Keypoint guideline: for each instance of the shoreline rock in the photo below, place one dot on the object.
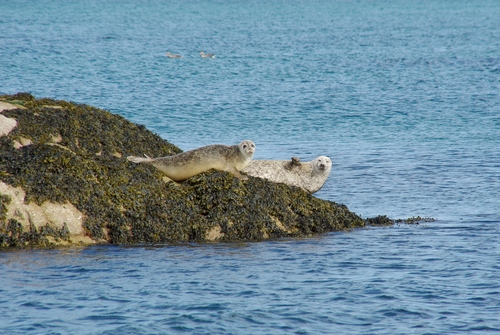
(64, 180)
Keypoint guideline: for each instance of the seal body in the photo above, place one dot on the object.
(204, 55)
(190, 163)
(310, 176)
(170, 55)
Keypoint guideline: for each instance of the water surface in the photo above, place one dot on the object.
(403, 96)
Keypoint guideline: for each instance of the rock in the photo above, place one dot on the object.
(7, 124)
(64, 180)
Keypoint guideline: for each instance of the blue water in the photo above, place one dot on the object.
(403, 96)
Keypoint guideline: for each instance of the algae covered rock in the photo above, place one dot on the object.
(64, 179)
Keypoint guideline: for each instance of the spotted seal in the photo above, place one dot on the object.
(190, 163)
(310, 176)
(170, 55)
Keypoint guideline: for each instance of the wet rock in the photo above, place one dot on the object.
(64, 180)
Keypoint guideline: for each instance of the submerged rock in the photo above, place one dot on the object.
(64, 179)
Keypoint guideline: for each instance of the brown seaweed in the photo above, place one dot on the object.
(76, 153)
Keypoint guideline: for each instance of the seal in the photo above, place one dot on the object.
(204, 55)
(310, 176)
(190, 163)
(169, 55)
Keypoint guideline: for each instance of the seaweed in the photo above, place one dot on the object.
(381, 220)
(76, 153)
(414, 220)
(13, 234)
(4, 201)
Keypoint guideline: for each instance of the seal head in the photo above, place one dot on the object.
(322, 165)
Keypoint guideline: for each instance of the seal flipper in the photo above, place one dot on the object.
(231, 169)
(136, 159)
(293, 163)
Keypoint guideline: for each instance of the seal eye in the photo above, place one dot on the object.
(244, 146)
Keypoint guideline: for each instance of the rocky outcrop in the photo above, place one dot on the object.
(64, 179)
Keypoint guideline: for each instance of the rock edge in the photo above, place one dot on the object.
(64, 180)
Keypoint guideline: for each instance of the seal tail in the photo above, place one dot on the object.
(136, 159)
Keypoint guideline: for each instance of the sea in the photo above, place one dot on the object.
(403, 96)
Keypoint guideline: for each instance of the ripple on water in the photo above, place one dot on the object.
(403, 96)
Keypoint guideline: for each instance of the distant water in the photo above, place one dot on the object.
(404, 96)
